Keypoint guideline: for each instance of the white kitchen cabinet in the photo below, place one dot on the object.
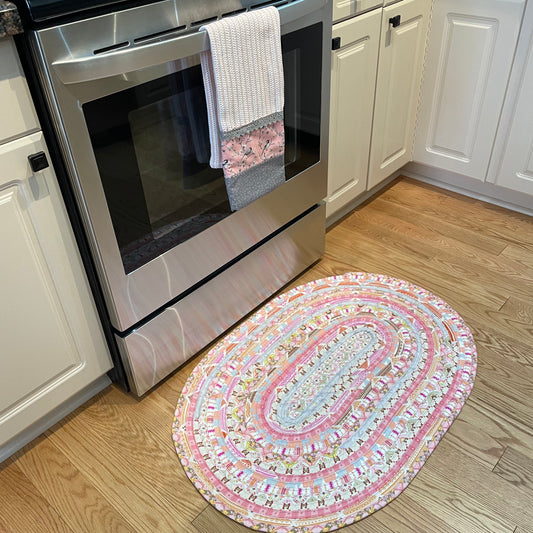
(353, 79)
(512, 162)
(17, 114)
(343, 9)
(470, 52)
(52, 343)
(52, 347)
(401, 56)
(516, 171)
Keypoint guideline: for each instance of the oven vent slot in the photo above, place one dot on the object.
(158, 34)
(191, 25)
(111, 47)
(235, 12)
(203, 21)
(276, 3)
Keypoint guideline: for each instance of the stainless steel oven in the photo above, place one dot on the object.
(177, 266)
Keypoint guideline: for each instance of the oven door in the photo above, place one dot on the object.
(132, 124)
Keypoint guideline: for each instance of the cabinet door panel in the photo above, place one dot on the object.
(470, 52)
(516, 171)
(400, 69)
(352, 99)
(37, 346)
(52, 342)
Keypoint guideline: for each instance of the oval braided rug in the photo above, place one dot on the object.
(323, 406)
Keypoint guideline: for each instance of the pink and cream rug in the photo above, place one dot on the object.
(322, 407)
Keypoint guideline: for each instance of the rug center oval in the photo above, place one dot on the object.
(322, 406)
(324, 378)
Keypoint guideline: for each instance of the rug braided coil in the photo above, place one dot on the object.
(322, 407)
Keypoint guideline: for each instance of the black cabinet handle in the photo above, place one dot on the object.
(395, 21)
(335, 43)
(38, 161)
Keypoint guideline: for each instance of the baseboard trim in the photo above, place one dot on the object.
(486, 192)
(47, 421)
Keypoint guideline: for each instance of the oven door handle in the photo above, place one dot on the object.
(95, 67)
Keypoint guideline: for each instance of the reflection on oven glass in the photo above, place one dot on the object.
(183, 195)
(302, 98)
(152, 149)
(151, 144)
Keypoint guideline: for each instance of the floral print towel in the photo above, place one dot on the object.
(243, 79)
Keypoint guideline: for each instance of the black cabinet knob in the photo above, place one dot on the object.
(38, 161)
(335, 43)
(395, 21)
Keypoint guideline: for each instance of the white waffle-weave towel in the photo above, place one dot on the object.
(243, 76)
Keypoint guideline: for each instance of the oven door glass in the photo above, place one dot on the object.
(151, 145)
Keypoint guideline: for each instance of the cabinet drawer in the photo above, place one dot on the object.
(343, 9)
(17, 113)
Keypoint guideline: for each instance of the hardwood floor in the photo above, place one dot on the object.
(111, 466)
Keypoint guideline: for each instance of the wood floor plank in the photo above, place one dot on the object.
(520, 310)
(518, 410)
(440, 225)
(475, 442)
(450, 256)
(137, 469)
(513, 375)
(504, 323)
(115, 454)
(406, 515)
(465, 212)
(461, 511)
(435, 243)
(22, 507)
(78, 501)
(507, 347)
(520, 253)
(493, 275)
(517, 469)
(4, 528)
(505, 384)
(387, 231)
(210, 520)
(506, 431)
(505, 502)
(508, 411)
(363, 251)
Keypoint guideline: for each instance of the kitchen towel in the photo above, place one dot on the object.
(244, 87)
